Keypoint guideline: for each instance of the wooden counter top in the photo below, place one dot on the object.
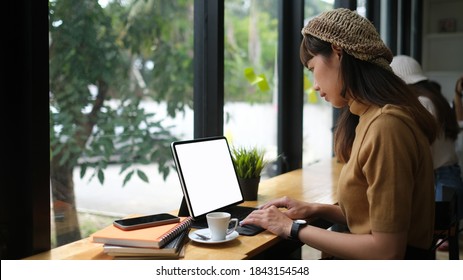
(314, 183)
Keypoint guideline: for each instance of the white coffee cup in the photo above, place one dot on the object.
(219, 223)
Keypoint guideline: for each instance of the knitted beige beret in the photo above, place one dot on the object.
(353, 33)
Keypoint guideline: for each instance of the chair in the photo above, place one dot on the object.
(446, 223)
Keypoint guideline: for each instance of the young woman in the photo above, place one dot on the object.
(385, 189)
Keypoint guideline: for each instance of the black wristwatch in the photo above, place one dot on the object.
(295, 228)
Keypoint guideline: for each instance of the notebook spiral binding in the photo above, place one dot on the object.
(168, 236)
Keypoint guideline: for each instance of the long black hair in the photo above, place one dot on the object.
(445, 116)
(367, 83)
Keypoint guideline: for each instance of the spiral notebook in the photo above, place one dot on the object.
(171, 250)
(152, 237)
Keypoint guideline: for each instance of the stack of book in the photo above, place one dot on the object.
(159, 242)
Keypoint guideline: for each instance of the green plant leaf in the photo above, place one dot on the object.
(101, 176)
(249, 162)
(142, 176)
(127, 177)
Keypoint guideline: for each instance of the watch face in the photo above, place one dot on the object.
(302, 222)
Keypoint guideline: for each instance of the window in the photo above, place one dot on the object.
(121, 90)
(318, 114)
(251, 39)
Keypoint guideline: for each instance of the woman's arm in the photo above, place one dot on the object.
(329, 212)
(376, 245)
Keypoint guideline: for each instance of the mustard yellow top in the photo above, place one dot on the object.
(388, 183)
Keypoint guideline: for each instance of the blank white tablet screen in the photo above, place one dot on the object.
(208, 175)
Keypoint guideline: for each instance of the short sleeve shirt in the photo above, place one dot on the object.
(388, 183)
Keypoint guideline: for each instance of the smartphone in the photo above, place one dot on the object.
(146, 221)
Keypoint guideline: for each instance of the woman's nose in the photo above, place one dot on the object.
(315, 86)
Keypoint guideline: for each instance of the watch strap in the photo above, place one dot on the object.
(295, 228)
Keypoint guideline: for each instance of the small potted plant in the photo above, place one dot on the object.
(249, 163)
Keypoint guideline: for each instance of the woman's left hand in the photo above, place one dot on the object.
(272, 219)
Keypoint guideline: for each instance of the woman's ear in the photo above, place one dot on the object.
(337, 50)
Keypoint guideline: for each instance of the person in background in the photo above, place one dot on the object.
(457, 102)
(447, 170)
(458, 108)
(385, 189)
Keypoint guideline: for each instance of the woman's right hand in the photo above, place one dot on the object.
(295, 209)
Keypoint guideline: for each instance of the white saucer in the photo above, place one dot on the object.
(206, 232)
